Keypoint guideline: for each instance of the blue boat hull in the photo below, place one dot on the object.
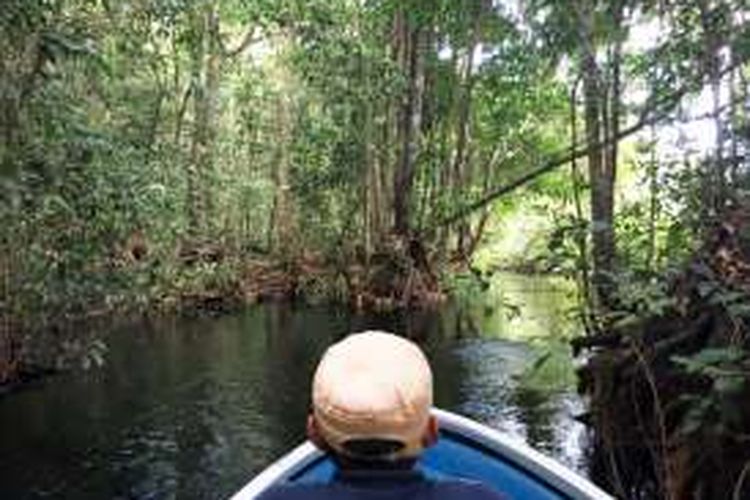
(467, 450)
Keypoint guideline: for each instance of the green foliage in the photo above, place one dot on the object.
(550, 372)
(135, 136)
(715, 410)
(640, 298)
(465, 287)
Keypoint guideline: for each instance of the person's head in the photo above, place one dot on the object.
(371, 399)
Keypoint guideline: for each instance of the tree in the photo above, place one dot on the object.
(409, 52)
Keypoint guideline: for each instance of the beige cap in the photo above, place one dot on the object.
(373, 385)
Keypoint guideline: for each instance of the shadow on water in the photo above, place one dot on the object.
(193, 408)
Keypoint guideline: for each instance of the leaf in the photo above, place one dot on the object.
(729, 385)
(739, 310)
(695, 418)
(540, 361)
(627, 321)
(690, 425)
(687, 363)
(706, 288)
(727, 297)
(713, 356)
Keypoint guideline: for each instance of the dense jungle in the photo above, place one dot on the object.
(164, 158)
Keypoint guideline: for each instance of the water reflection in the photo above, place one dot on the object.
(193, 408)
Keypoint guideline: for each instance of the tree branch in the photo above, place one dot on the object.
(653, 114)
(249, 39)
(181, 113)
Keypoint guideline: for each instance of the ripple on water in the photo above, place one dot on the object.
(193, 409)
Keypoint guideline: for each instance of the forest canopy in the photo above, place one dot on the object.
(193, 155)
(174, 152)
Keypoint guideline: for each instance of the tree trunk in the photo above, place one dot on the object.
(193, 173)
(736, 87)
(371, 189)
(580, 234)
(213, 82)
(714, 60)
(719, 162)
(615, 94)
(206, 78)
(376, 219)
(653, 174)
(445, 182)
(282, 228)
(410, 126)
(426, 179)
(461, 163)
(600, 176)
(475, 236)
(600, 162)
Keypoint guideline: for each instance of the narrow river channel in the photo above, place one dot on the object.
(193, 408)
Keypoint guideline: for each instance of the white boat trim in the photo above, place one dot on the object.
(288, 465)
(555, 474)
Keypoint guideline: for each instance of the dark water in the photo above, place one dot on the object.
(194, 408)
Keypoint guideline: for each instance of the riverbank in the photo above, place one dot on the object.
(669, 392)
(207, 280)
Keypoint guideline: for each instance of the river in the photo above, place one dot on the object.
(193, 408)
